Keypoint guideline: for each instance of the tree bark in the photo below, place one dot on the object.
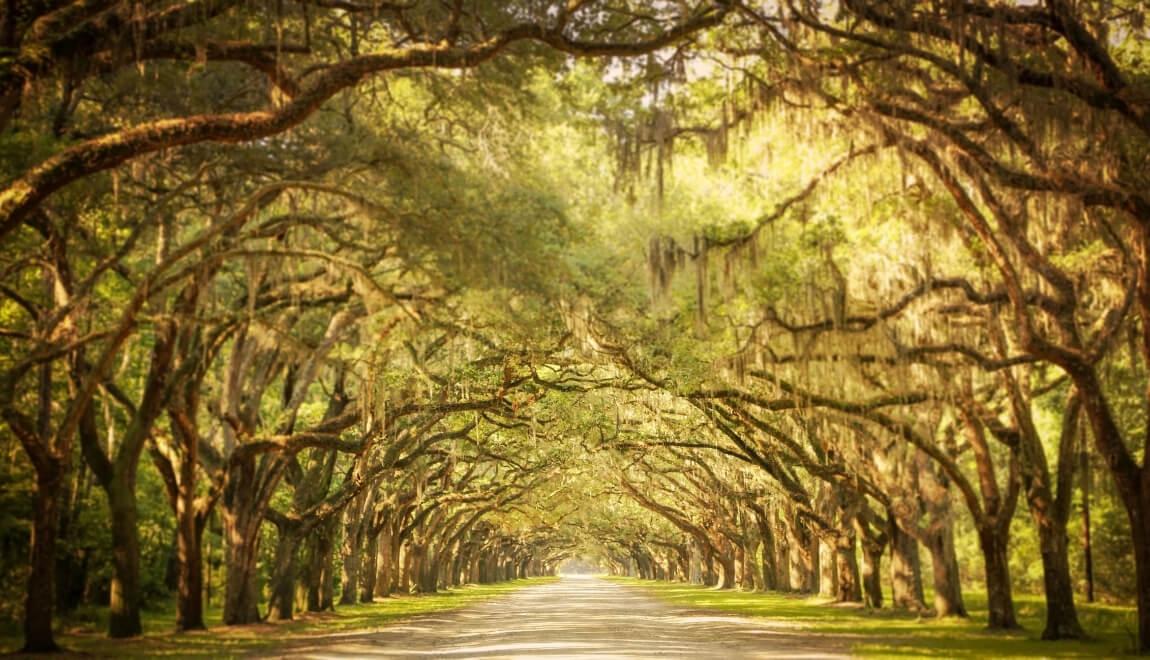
(427, 577)
(190, 580)
(124, 613)
(325, 556)
(905, 569)
(1061, 615)
(871, 575)
(726, 570)
(385, 577)
(315, 575)
(1140, 530)
(368, 570)
(283, 582)
(241, 530)
(38, 600)
(999, 600)
(747, 573)
(803, 560)
(695, 561)
(827, 573)
(847, 587)
(1087, 549)
(767, 551)
(349, 572)
(944, 569)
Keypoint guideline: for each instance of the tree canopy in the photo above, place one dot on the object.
(308, 303)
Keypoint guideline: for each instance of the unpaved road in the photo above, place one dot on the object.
(577, 618)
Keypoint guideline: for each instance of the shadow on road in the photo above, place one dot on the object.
(578, 617)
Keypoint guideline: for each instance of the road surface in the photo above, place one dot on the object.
(577, 617)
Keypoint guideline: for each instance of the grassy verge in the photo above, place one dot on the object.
(83, 632)
(890, 634)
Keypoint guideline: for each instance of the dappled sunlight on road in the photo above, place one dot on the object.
(577, 617)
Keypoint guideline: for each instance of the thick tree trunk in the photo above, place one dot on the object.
(190, 578)
(385, 573)
(428, 576)
(1140, 531)
(827, 573)
(241, 555)
(484, 568)
(747, 571)
(124, 613)
(767, 562)
(945, 571)
(71, 568)
(1087, 549)
(191, 514)
(695, 562)
(448, 569)
(350, 551)
(905, 570)
(803, 560)
(368, 569)
(726, 570)
(403, 575)
(782, 562)
(1061, 615)
(848, 589)
(314, 574)
(327, 567)
(999, 600)
(415, 561)
(38, 601)
(283, 582)
(871, 575)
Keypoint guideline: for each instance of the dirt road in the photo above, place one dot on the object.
(577, 618)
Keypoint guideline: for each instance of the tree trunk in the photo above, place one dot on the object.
(368, 570)
(767, 566)
(1087, 550)
(871, 575)
(71, 568)
(727, 570)
(38, 602)
(428, 575)
(241, 555)
(1140, 531)
(415, 560)
(710, 578)
(327, 567)
(847, 587)
(1061, 615)
(476, 571)
(385, 576)
(999, 600)
(283, 583)
(746, 556)
(827, 575)
(944, 569)
(314, 574)
(905, 570)
(695, 561)
(349, 573)
(803, 560)
(350, 558)
(190, 579)
(124, 613)
(449, 569)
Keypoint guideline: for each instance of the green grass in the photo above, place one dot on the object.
(84, 630)
(890, 634)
